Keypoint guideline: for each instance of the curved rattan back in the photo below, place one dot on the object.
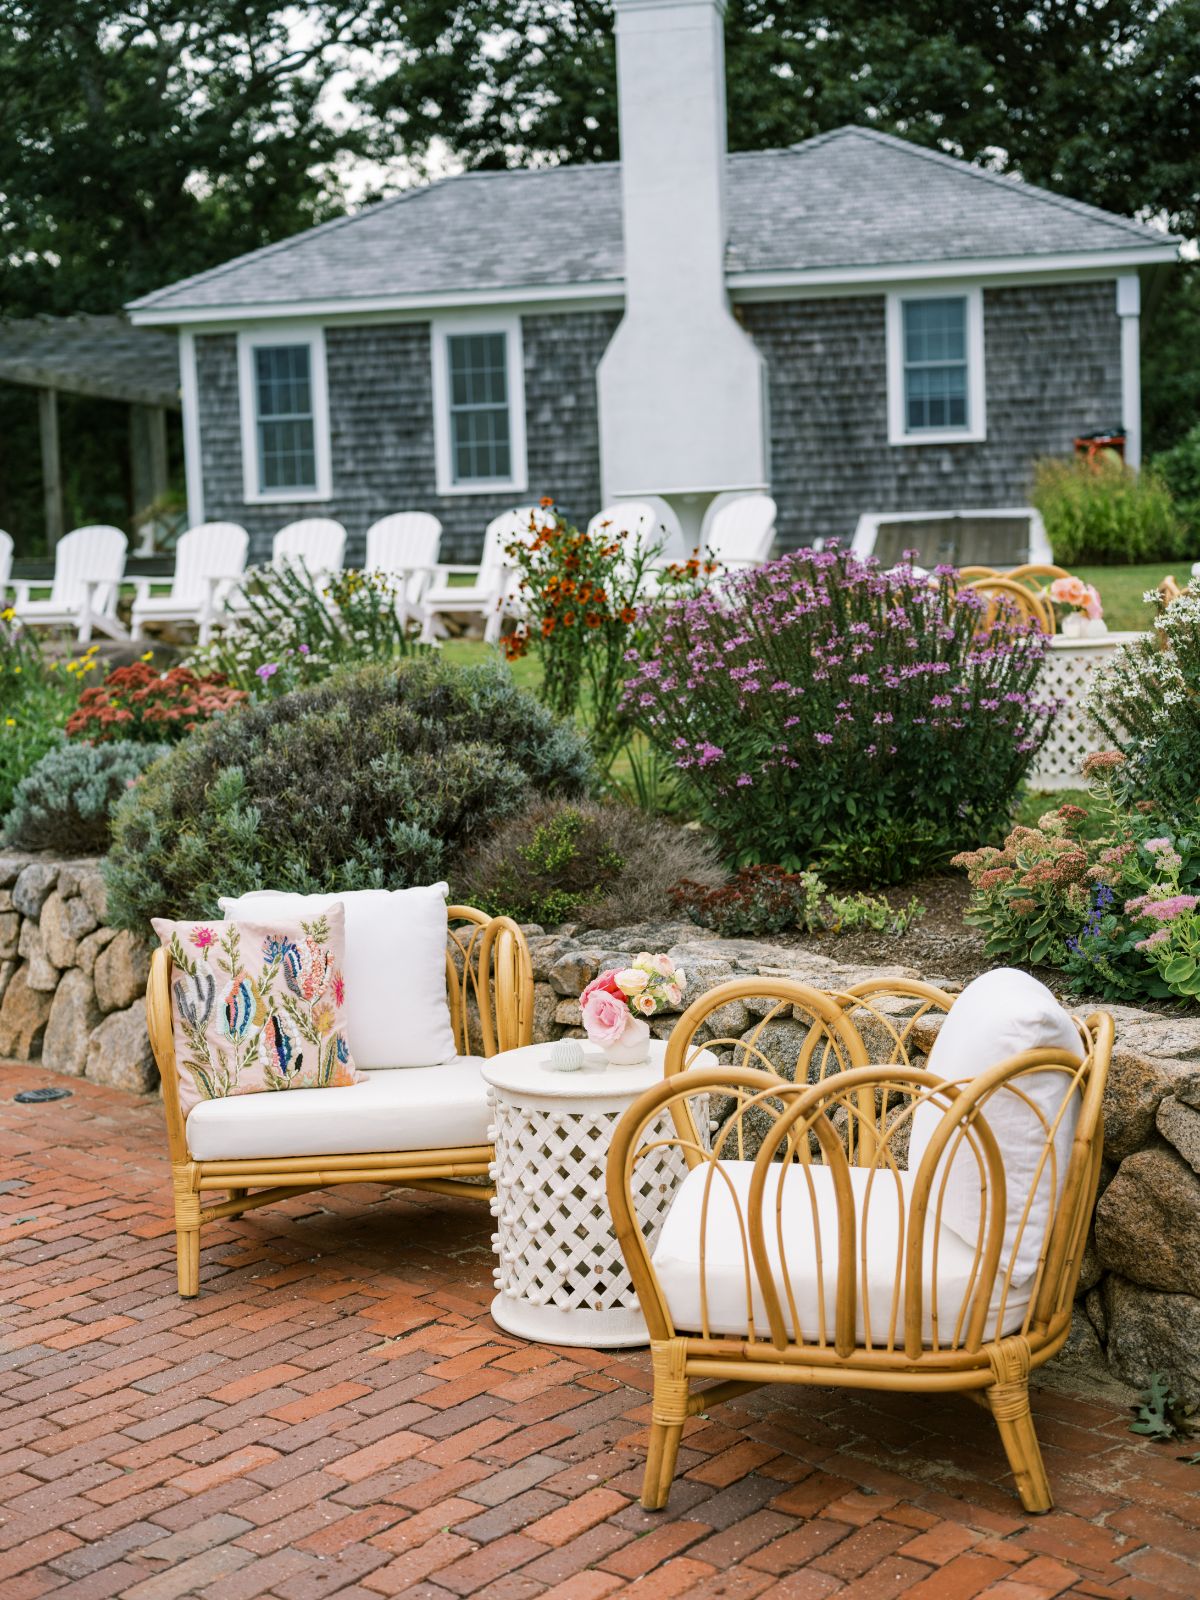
(813, 1237)
(1000, 594)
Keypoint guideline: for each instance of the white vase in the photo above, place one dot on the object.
(1074, 625)
(1094, 627)
(632, 1049)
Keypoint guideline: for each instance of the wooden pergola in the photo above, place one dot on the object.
(106, 358)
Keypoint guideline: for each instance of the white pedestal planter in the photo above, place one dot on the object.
(561, 1278)
(1070, 663)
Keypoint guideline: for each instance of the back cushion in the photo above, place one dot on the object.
(398, 1013)
(997, 1016)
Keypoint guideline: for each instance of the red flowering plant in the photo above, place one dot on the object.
(141, 703)
(1031, 894)
(583, 597)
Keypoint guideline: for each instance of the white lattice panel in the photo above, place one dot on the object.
(1068, 669)
(559, 1261)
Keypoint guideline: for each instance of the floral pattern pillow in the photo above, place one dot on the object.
(258, 1006)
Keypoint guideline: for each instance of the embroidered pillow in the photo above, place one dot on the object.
(258, 1006)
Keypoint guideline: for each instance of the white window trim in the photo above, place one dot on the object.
(510, 326)
(250, 339)
(976, 428)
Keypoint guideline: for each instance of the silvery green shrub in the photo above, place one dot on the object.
(67, 801)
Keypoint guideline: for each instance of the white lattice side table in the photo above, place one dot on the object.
(1067, 669)
(560, 1277)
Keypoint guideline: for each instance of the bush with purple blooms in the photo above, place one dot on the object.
(823, 712)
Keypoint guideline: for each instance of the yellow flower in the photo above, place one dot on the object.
(7, 614)
(149, 656)
(10, 722)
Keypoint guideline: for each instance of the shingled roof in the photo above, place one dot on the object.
(853, 199)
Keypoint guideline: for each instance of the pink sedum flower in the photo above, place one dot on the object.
(604, 1017)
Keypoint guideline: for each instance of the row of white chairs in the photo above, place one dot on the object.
(210, 561)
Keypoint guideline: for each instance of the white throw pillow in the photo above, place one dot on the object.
(997, 1016)
(397, 1010)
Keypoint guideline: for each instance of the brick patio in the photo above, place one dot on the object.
(337, 1415)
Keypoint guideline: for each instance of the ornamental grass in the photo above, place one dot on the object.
(824, 712)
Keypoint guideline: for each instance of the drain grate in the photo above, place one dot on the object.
(31, 1097)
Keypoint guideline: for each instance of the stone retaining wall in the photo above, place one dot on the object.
(1140, 1286)
(72, 990)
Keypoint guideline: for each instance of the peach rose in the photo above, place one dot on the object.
(604, 1017)
(631, 981)
(1068, 591)
(646, 1004)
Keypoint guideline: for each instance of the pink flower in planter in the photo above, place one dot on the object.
(604, 1016)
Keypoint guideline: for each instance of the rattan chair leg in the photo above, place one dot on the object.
(1008, 1400)
(187, 1239)
(669, 1413)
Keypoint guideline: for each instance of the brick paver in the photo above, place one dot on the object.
(338, 1416)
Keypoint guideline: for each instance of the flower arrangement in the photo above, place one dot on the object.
(616, 1004)
(139, 702)
(1077, 605)
(824, 712)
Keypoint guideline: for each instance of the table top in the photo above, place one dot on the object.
(523, 1072)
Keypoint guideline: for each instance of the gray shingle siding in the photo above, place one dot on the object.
(1053, 372)
(381, 430)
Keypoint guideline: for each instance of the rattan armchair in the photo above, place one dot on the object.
(800, 1247)
(490, 989)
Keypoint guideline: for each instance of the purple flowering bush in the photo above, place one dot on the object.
(824, 712)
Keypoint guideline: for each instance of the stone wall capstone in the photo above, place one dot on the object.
(72, 990)
(1139, 1290)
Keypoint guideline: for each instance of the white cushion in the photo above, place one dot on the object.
(397, 1011)
(879, 1258)
(409, 1108)
(997, 1016)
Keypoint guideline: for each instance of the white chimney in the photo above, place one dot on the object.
(681, 385)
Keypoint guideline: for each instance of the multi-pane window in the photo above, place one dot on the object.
(284, 417)
(477, 384)
(935, 364)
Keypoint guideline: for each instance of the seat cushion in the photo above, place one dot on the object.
(397, 1014)
(997, 1016)
(881, 1218)
(407, 1108)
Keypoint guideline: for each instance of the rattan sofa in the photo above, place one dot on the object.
(490, 990)
(805, 1246)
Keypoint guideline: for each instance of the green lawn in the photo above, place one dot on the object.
(1121, 590)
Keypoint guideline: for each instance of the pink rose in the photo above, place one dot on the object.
(604, 1016)
(1091, 606)
(606, 982)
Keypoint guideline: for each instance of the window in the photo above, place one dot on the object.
(935, 367)
(285, 424)
(479, 405)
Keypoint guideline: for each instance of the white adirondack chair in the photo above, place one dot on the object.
(209, 560)
(739, 529)
(88, 566)
(319, 543)
(405, 546)
(489, 595)
(647, 524)
(6, 550)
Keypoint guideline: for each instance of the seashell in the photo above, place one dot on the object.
(565, 1055)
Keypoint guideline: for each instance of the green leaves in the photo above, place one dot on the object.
(1161, 1415)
